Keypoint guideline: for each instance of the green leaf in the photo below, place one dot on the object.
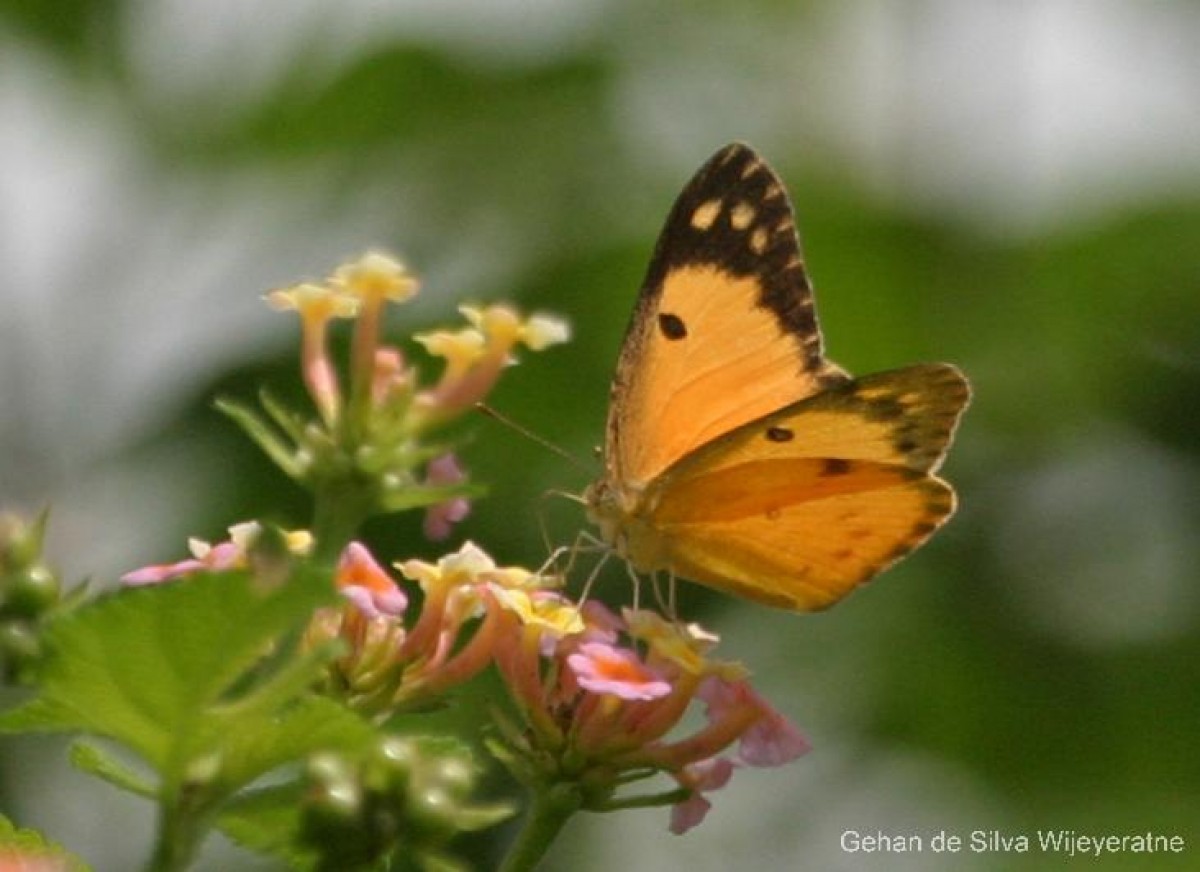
(416, 495)
(268, 741)
(293, 425)
(263, 436)
(29, 845)
(177, 673)
(268, 820)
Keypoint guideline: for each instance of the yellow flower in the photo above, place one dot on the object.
(542, 331)
(460, 348)
(684, 645)
(503, 326)
(316, 303)
(476, 355)
(557, 616)
(467, 565)
(375, 276)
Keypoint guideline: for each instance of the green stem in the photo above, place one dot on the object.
(648, 800)
(180, 832)
(340, 508)
(551, 809)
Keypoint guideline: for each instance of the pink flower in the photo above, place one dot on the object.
(600, 623)
(401, 652)
(365, 583)
(711, 774)
(441, 518)
(602, 668)
(771, 740)
(689, 813)
(160, 572)
(206, 557)
(391, 380)
(602, 712)
(317, 305)
(225, 555)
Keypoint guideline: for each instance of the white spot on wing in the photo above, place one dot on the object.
(705, 214)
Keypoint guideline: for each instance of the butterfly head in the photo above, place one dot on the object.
(622, 517)
(606, 509)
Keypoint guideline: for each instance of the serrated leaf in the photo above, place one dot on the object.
(309, 725)
(151, 667)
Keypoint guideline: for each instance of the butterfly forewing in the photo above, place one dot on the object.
(724, 331)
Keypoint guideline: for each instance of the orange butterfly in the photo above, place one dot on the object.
(736, 455)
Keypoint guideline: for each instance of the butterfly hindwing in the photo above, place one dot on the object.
(724, 330)
(904, 417)
(801, 506)
(811, 533)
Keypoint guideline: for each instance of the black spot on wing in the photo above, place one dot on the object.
(752, 233)
(671, 326)
(780, 434)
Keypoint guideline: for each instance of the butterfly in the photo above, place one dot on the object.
(736, 455)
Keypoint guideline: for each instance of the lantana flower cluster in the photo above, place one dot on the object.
(599, 703)
(373, 447)
(598, 696)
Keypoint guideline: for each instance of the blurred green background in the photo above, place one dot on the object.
(1014, 187)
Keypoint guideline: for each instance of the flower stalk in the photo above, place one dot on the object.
(549, 810)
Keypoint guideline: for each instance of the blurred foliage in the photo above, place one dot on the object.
(1003, 650)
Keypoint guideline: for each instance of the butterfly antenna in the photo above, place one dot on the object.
(533, 437)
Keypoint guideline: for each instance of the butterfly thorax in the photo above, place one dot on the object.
(622, 513)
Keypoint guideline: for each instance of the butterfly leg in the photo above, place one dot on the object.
(593, 575)
(550, 564)
(635, 581)
(665, 599)
(583, 542)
